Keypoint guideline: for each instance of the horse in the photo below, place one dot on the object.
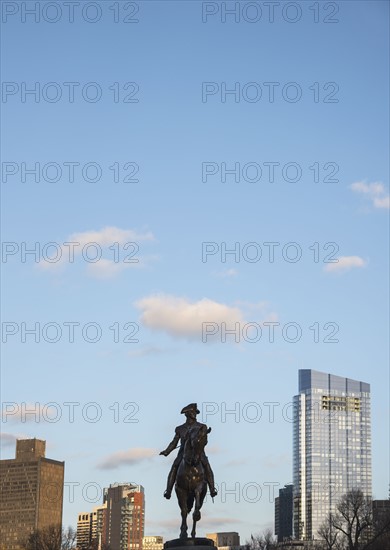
(191, 485)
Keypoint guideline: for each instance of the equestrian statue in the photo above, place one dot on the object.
(191, 471)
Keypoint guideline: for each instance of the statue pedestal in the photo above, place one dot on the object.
(198, 543)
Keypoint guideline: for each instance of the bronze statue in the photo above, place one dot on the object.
(191, 469)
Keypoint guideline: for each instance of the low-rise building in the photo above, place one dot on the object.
(152, 543)
(226, 540)
(90, 527)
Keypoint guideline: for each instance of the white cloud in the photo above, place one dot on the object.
(180, 317)
(371, 189)
(109, 235)
(375, 191)
(226, 273)
(131, 456)
(113, 248)
(105, 269)
(345, 263)
(382, 202)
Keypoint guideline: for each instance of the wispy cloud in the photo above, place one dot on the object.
(213, 450)
(206, 521)
(226, 273)
(164, 523)
(375, 192)
(129, 457)
(181, 317)
(219, 521)
(271, 462)
(259, 308)
(105, 269)
(237, 462)
(107, 252)
(9, 440)
(345, 263)
(13, 412)
(148, 350)
(109, 235)
(382, 202)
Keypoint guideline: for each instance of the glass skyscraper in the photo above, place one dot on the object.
(331, 446)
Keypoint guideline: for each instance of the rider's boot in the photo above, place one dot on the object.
(210, 479)
(170, 484)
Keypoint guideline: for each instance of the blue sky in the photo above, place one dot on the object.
(165, 140)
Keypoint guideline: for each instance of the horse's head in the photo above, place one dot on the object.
(194, 445)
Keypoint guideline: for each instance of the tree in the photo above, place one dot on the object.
(69, 539)
(329, 535)
(52, 538)
(381, 532)
(353, 518)
(264, 541)
(352, 526)
(48, 538)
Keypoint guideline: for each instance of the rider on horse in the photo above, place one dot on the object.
(181, 433)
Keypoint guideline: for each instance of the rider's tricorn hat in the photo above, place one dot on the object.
(190, 407)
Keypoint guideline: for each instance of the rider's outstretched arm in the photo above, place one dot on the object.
(172, 445)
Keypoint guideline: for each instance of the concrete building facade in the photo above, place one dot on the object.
(31, 493)
(91, 527)
(85, 528)
(229, 539)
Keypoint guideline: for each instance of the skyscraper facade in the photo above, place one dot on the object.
(284, 513)
(125, 518)
(331, 446)
(31, 493)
